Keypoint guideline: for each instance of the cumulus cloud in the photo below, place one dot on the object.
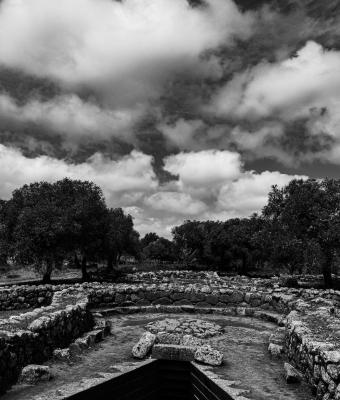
(249, 194)
(103, 41)
(181, 133)
(131, 183)
(71, 117)
(177, 203)
(204, 168)
(121, 55)
(123, 181)
(303, 87)
(289, 88)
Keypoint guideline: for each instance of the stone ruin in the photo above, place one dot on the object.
(182, 339)
(308, 320)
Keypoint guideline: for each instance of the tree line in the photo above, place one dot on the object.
(298, 230)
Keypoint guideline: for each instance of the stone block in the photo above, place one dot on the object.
(292, 375)
(144, 345)
(173, 352)
(275, 350)
(32, 374)
(62, 354)
(207, 355)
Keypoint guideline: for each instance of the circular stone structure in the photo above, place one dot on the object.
(185, 326)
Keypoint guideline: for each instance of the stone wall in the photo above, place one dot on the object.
(318, 359)
(280, 300)
(22, 297)
(32, 337)
(63, 315)
(313, 317)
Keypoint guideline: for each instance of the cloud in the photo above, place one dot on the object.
(121, 181)
(130, 182)
(274, 96)
(181, 133)
(249, 194)
(289, 88)
(204, 168)
(145, 222)
(72, 118)
(111, 61)
(101, 42)
(176, 203)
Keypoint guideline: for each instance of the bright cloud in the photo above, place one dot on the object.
(130, 182)
(289, 88)
(71, 117)
(249, 194)
(204, 168)
(103, 41)
(177, 203)
(131, 174)
(303, 87)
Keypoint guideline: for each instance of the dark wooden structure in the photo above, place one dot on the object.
(157, 380)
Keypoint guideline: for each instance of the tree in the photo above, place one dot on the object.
(84, 218)
(279, 247)
(5, 242)
(38, 232)
(222, 245)
(189, 241)
(161, 250)
(120, 237)
(310, 210)
(44, 222)
(240, 233)
(149, 238)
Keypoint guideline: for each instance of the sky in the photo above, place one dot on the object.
(176, 109)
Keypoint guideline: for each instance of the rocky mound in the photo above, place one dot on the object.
(185, 326)
(181, 339)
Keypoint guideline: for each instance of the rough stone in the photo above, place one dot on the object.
(144, 345)
(207, 355)
(62, 354)
(32, 374)
(191, 341)
(275, 350)
(168, 338)
(292, 375)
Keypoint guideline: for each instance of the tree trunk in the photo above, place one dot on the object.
(76, 261)
(327, 269)
(85, 275)
(3, 260)
(109, 265)
(48, 272)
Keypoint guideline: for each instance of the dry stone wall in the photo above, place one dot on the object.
(22, 297)
(312, 317)
(64, 315)
(280, 300)
(30, 338)
(317, 358)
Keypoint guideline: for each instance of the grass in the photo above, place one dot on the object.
(18, 274)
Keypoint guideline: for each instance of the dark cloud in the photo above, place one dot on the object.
(146, 93)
